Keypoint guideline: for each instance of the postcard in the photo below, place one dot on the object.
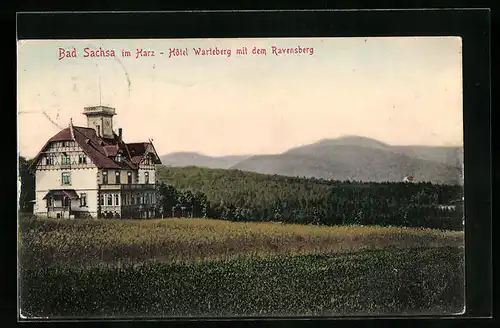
(240, 177)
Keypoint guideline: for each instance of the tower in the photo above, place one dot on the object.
(100, 118)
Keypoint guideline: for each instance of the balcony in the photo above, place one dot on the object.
(111, 208)
(136, 186)
(110, 187)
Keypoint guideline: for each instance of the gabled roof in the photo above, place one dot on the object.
(61, 193)
(101, 151)
(139, 149)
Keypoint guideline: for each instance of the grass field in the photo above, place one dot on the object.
(92, 242)
(184, 267)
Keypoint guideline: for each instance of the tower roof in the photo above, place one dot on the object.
(99, 110)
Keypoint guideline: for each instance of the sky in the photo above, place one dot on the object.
(401, 91)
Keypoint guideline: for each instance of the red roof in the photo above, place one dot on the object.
(101, 151)
(138, 150)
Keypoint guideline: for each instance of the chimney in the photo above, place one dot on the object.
(120, 133)
(98, 130)
(71, 129)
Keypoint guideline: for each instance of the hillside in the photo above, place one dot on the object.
(345, 158)
(180, 159)
(361, 159)
(248, 196)
(452, 156)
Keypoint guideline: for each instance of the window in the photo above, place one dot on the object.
(82, 159)
(66, 202)
(146, 177)
(110, 200)
(118, 158)
(117, 176)
(83, 200)
(66, 178)
(50, 159)
(117, 199)
(66, 159)
(129, 177)
(104, 177)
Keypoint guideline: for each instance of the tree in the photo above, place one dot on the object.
(248, 196)
(168, 198)
(27, 182)
(201, 204)
(188, 203)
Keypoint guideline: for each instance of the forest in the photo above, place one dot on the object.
(244, 196)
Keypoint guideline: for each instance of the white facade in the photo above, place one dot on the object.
(65, 166)
(83, 181)
(84, 178)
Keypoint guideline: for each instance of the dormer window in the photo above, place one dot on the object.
(118, 158)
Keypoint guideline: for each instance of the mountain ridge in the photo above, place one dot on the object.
(179, 159)
(344, 158)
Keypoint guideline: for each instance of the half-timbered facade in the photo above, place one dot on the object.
(91, 172)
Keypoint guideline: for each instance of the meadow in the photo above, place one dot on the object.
(93, 242)
(204, 267)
